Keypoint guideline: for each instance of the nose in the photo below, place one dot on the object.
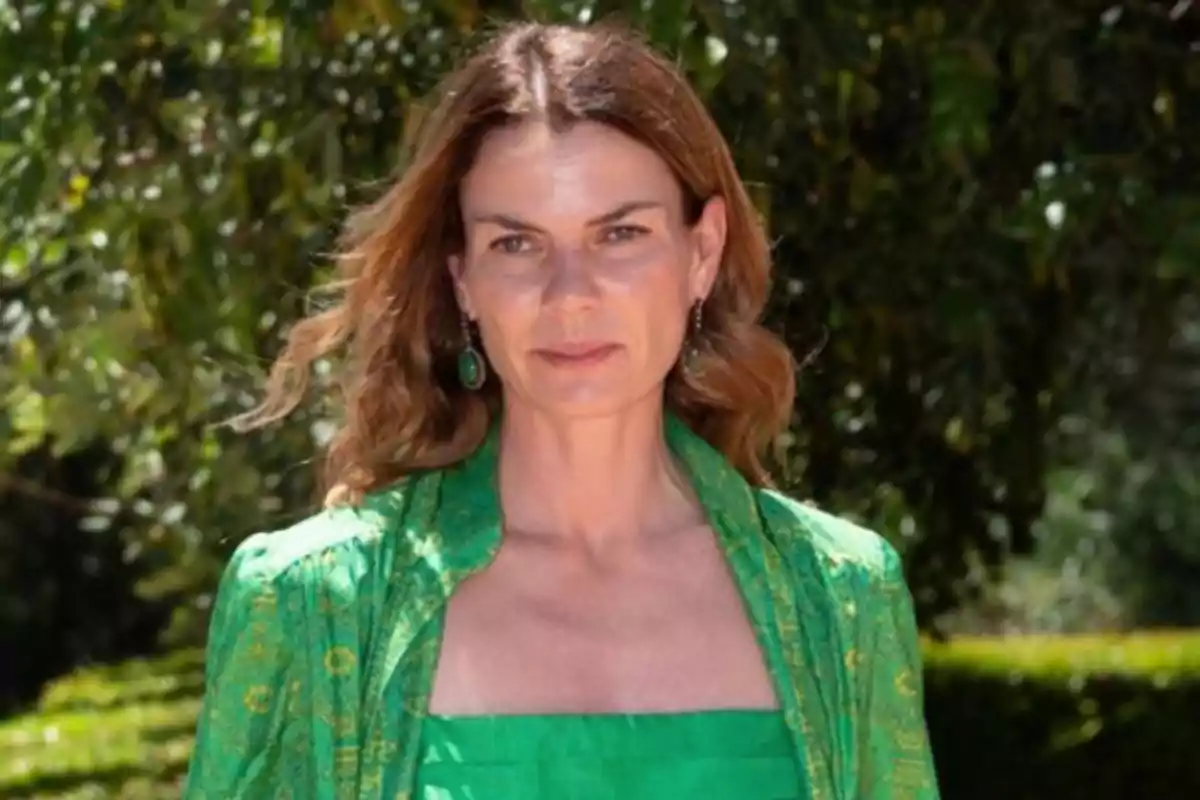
(571, 282)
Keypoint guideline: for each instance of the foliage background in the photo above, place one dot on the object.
(988, 214)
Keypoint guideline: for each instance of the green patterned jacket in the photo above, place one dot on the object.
(324, 636)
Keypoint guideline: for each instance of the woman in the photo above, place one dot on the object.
(549, 567)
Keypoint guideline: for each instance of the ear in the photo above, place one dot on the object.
(455, 266)
(708, 237)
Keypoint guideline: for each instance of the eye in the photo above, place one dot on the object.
(513, 244)
(616, 234)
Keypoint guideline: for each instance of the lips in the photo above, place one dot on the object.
(578, 353)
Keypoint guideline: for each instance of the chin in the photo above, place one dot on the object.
(589, 401)
(583, 407)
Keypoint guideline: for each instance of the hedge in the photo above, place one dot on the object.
(1067, 718)
(1036, 717)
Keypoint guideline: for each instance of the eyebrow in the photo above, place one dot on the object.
(514, 224)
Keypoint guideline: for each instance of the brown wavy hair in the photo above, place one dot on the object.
(396, 325)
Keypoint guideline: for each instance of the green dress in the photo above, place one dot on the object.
(718, 755)
(325, 635)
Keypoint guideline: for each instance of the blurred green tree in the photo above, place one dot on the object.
(985, 213)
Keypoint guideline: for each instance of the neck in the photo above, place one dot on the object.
(598, 481)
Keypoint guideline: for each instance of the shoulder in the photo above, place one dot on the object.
(835, 545)
(844, 572)
(333, 549)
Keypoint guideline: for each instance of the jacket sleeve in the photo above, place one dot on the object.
(895, 758)
(239, 734)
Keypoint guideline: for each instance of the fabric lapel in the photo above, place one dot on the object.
(448, 526)
(771, 594)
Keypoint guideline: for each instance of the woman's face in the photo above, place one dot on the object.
(579, 266)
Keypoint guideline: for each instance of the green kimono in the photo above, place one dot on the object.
(325, 635)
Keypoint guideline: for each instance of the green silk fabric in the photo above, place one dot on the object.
(717, 755)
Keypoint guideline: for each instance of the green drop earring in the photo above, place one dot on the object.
(472, 368)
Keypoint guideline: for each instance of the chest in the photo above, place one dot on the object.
(497, 645)
(538, 633)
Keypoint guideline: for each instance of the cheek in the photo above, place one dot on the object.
(505, 309)
(660, 268)
(656, 303)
